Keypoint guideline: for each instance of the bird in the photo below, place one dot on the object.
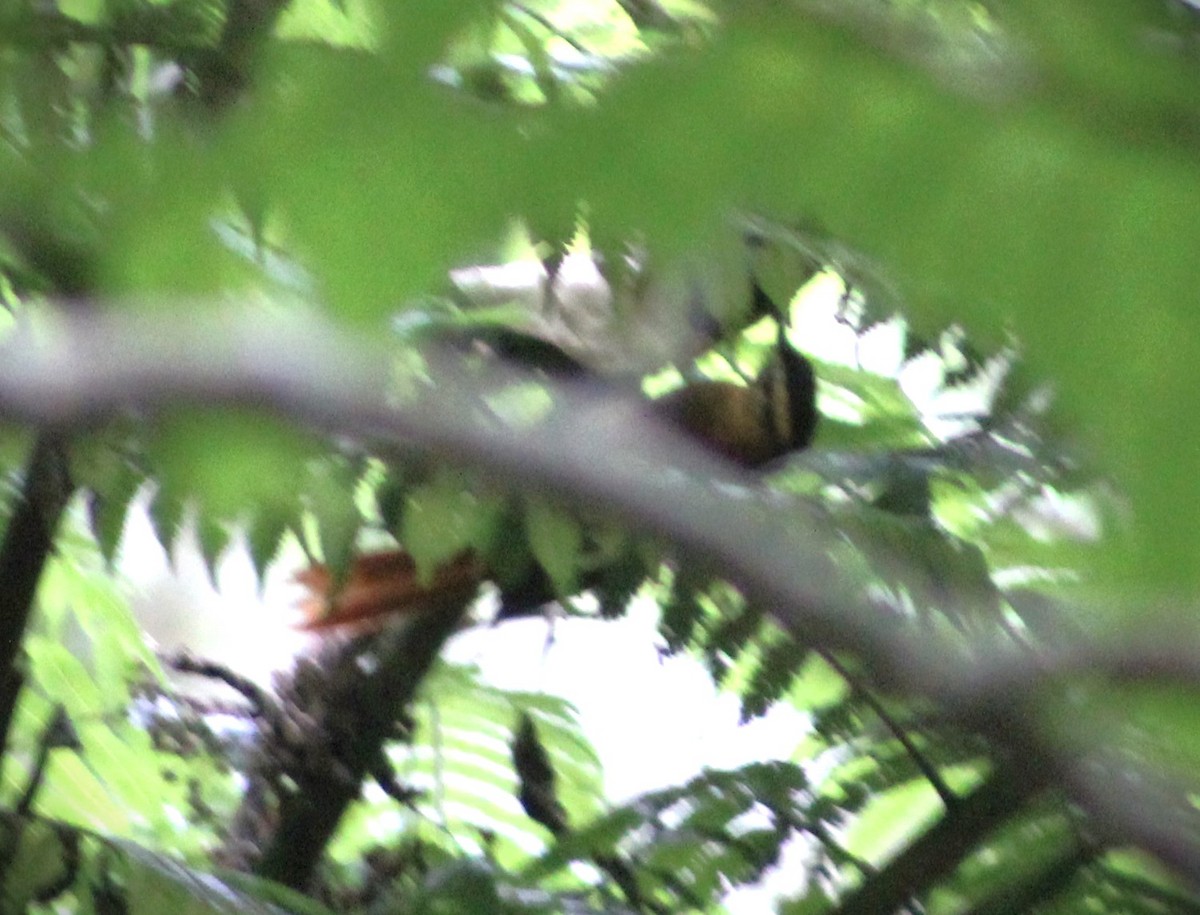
(380, 583)
(752, 424)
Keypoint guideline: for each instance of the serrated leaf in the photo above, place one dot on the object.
(619, 581)
(444, 517)
(556, 540)
(461, 756)
(229, 462)
(265, 535)
(108, 510)
(74, 794)
(329, 497)
(128, 767)
(167, 511)
(777, 668)
(685, 837)
(64, 678)
(681, 610)
(103, 465)
(212, 536)
(730, 637)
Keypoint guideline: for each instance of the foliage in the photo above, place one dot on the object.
(947, 203)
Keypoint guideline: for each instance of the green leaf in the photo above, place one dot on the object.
(818, 685)
(891, 819)
(38, 857)
(328, 494)
(125, 761)
(64, 678)
(160, 883)
(1019, 854)
(74, 794)
(556, 540)
(815, 902)
(780, 664)
(341, 23)
(104, 466)
(212, 535)
(229, 461)
(266, 532)
(446, 516)
(167, 511)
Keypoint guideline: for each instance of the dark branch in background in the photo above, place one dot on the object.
(223, 69)
(44, 30)
(1123, 798)
(225, 73)
(1043, 885)
(936, 853)
(28, 541)
(335, 718)
(775, 549)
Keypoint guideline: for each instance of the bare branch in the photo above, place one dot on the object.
(333, 723)
(28, 541)
(605, 452)
(600, 449)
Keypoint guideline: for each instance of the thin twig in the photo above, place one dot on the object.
(920, 760)
(187, 663)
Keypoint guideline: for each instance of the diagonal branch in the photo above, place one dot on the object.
(936, 853)
(328, 736)
(604, 452)
(1043, 885)
(310, 371)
